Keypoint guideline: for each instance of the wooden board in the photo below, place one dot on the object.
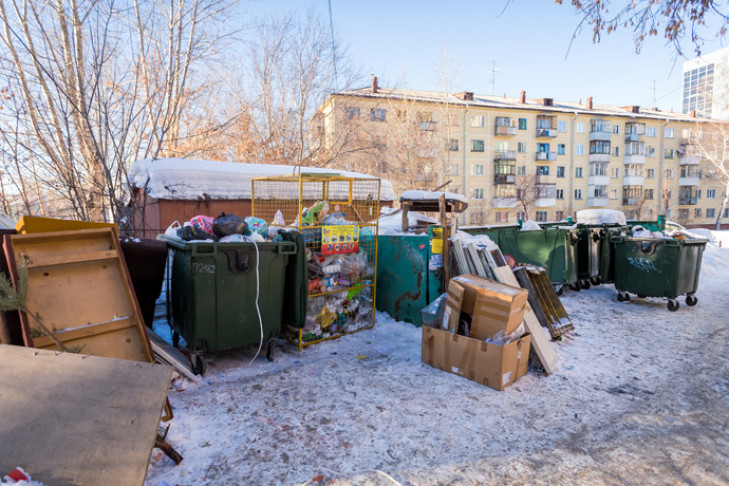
(76, 419)
(79, 284)
(540, 341)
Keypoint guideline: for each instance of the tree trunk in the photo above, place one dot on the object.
(724, 204)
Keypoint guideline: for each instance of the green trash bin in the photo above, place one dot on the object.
(606, 272)
(553, 247)
(653, 267)
(211, 294)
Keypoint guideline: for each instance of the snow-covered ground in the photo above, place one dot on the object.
(640, 396)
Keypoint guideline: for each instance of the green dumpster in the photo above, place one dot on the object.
(653, 267)
(409, 275)
(212, 294)
(589, 245)
(553, 247)
(606, 273)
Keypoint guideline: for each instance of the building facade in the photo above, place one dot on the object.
(519, 158)
(706, 85)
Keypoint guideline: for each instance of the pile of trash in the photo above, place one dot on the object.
(226, 228)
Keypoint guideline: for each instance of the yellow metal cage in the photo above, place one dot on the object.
(338, 218)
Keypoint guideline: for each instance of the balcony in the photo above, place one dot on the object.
(546, 132)
(507, 131)
(598, 202)
(686, 201)
(598, 180)
(633, 180)
(600, 136)
(690, 160)
(505, 202)
(507, 155)
(631, 201)
(550, 156)
(632, 137)
(634, 159)
(688, 180)
(504, 178)
(545, 202)
(544, 179)
(599, 158)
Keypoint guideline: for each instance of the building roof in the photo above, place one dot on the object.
(510, 103)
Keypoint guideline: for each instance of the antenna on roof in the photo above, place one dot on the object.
(493, 76)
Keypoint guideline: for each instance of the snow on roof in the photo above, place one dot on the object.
(426, 195)
(600, 216)
(189, 179)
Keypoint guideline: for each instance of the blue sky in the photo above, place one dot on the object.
(403, 43)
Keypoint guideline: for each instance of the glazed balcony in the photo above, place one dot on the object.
(504, 178)
(505, 155)
(634, 159)
(598, 202)
(505, 131)
(633, 180)
(546, 132)
(600, 135)
(549, 156)
(690, 160)
(598, 180)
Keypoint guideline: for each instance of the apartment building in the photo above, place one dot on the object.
(706, 85)
(540, 159)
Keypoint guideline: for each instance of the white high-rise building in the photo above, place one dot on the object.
(706, 85)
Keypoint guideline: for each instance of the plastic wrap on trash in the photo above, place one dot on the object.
(257, 225)
(433, 312)
(204, 223)
(501, 338)
(354, 263)
(315, 214)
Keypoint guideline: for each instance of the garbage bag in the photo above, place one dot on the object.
(257, 225)
(229, 224)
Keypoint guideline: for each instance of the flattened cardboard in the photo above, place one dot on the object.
(452, 313)
(489, 364)
(494, 306)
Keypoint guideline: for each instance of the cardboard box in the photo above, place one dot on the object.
(488, 364)
(494, 306)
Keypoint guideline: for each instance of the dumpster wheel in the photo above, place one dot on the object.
(197, 364)
(691, 300)
(595, 281)
(575, 286)
(270, 350)
(559, 289)
(672, 305)
(585, 284)
(623, 297)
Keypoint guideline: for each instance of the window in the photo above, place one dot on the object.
(477, 193)
(478, 121)
(453, 145)
(668, 154)
(616, 151)
(613, 194)
(578, 193)
(542, 216)
(599, 147)
(542, 170)
(615, 172)
(669, 132)
(650, 173)
(560, 171)
(710, 213)
(521, 147)
(726, 213)
(477, 145)
(650, 151)
(560, 193)
(668, 174)
(578, 171)
(698, 193)
(559, 215)
(561, 126)
(453, 119)
(522, 123)
(501, 216)
(560, 149)
(668, 194)
(650, 131)
(477, 169)
(616, 129)
(352, 112)
(648, 193)
(579, 149)
(378, 114)
(580, 127)
(521, 170)
(502, 146)
(710, 193)
(697, 212)
(476, 217)
(520, 215)
(453, 169)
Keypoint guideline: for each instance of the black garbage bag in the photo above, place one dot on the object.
(229, 224)
(192, 233)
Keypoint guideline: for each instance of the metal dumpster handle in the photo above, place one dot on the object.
(239, 259)
(648, 247)
(286, 248)
(203, 249)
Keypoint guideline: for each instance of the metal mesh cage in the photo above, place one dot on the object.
(337, 217)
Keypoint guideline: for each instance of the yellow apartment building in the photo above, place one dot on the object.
(520, 158)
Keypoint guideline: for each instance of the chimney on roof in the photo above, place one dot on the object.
(465, 95)
(589, 103)
(693, 113)
(374, 84)
(632, 108)
(547, 101)
(523, 97)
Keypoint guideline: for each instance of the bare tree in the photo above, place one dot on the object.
(529, 189)
(710, 142)
(676, 20)
(99, 84)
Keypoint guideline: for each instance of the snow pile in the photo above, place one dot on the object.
(391, 221)
(600, 216)
(428, 195)
(530, 226)
(466, 239)
(192, 179)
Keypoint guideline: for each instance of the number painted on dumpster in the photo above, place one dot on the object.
(203, 267)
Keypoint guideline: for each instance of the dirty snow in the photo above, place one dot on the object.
(640, 396)
(391, 221)
(190, 179)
